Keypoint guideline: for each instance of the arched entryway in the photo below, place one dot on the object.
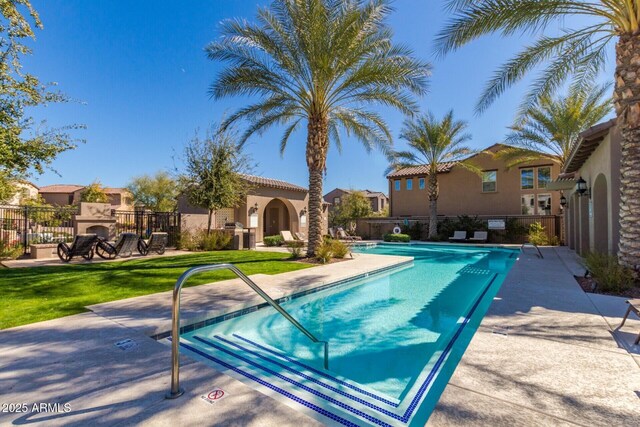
(600, 215)
(275, 218)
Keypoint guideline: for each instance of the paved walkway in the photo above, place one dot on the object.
(546, 354)
(55, 261)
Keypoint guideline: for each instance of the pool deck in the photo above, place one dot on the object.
(545, 354)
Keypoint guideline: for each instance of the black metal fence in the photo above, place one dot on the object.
(143, 223)
(27, 225)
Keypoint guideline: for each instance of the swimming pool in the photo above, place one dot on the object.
(395, 337)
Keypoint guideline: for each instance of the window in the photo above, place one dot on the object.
(421, 183)
(526, 179)
(336, 200)
(544, 176)
(409, 184)
(489, 180)
(528, 206)
(396, 183)
(544, 204)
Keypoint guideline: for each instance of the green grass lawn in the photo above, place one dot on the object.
(34, 294)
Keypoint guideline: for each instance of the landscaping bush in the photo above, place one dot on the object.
(10, 250)
(199, 240)
(404, 238)
(537, 236)
(415, 230)
(273, 240)
(609, 275)
(324, 251)
(339, 249)
(295, 248)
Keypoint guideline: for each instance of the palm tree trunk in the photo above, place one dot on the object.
(433, 205)
(627, 103)
(317, 145)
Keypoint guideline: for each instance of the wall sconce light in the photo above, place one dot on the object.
(303, 211)
(581, 188)
(563, 201)
(254, 208)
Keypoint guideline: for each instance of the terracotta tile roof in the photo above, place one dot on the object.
(421, 170)
(273, 183)
(61, 188)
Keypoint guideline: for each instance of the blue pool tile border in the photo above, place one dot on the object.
(221, 318)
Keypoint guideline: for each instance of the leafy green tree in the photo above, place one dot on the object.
(433, 142)
(26, 145)
(157, 192)
(352, 206)
(553, 125)
(214, 167)
(7, 189)
(94, 193)
(319, 65)
(578, 54)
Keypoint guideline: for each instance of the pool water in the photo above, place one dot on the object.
(394, 337)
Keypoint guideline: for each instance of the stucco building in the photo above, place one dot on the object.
(63, 195)
(271, 206)
(379, 201)
(593, 207)
(23, 190)
(520, 190)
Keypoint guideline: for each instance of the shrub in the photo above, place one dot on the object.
(448, 226)
(324, 251)
(273, 240)
(537, 236)
(414, 230)
(609, 275)
(10, 250)
(199, 240)
(295, 248)
(339, 249)
(404, 238)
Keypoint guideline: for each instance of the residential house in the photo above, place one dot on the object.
(63, 195)
(593, 208)
(379, 201)
(271, 206)
(500, 191)
(23, 190)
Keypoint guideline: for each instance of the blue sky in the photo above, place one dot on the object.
(139, 77)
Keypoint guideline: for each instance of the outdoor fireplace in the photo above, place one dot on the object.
(95, 218)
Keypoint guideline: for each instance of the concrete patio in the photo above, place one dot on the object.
(545, 354)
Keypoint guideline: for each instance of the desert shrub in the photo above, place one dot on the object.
(339, 249)
(324, 251)
(537, 236)
(609, 275)
(199, 240)
(514, 230)
(10, 250)
(404, 238)
(448, 226)
(414, 230)
(295, 248)
(273, 240)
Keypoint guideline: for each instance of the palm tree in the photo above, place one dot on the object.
(433, 142)
(322, 63)
(552, 125)
(578, 54)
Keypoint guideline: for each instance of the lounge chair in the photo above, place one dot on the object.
(479, 237)
(83, 245)
(124, 246)
(342, 235)
(287, 236)
(301, 236)
(634, 305)
(332, 233)
(458, 236)
(157, 243)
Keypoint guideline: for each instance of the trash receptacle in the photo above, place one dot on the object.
(249, 238)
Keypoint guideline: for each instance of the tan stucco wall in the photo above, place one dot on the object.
(57, 199)
(461, 191)
(604, 160)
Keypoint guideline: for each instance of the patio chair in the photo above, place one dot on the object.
(342, 235)
(124, 246)
(83, 245)
(458, 236)
(634, 305)
(332, 233)
(157, 243)
(479, 237)
(287, 236)
(301, 236)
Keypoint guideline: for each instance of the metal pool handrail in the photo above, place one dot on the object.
(176, 391)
